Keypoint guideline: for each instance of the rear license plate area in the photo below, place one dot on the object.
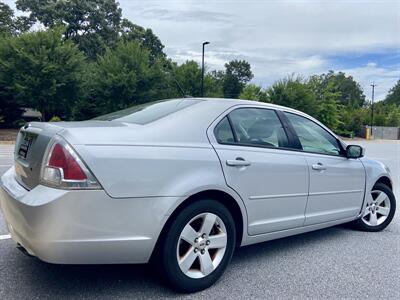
(25, 146)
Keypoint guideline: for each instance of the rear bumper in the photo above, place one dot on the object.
(82, 227)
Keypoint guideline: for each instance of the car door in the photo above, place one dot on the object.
(253, 147)
(336, 183)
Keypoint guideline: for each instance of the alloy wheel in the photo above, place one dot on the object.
(377, 209)
(201, 245)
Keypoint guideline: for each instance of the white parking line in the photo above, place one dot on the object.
(5, 236)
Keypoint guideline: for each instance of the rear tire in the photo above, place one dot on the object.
(198, 246)
(379, 211)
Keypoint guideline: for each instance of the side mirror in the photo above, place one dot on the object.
(354, 151)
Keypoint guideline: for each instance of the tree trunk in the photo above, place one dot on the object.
(43, 111)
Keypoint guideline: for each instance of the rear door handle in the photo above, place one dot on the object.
(318, 167)
(238, 162)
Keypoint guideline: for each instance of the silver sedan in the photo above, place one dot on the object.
(183, 182)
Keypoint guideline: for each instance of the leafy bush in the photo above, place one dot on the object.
(55, 119)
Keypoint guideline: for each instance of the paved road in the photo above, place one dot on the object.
(330, 263)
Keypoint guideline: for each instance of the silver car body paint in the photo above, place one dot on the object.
(148, 170)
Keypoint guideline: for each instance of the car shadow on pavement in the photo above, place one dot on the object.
(135, 281)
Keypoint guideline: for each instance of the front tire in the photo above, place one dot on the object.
(379, 211)
(198, 245)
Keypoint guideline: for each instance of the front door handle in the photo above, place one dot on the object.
(238, 162)
(318, 167)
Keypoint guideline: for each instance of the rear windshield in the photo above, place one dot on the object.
(149, 112)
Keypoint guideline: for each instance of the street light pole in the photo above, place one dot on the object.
(202, 70)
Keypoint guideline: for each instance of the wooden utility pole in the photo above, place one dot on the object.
(372, 104)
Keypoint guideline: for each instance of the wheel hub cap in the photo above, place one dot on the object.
(201, 244)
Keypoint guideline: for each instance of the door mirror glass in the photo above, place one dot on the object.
(354, 151)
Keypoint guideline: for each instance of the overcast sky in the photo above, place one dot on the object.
(361, 38)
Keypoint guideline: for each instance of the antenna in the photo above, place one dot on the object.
(180, 88)
(170, 71)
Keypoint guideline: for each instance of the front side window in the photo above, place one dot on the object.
(259, 127)
(313, 138)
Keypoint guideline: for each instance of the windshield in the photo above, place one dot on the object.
(148, 112)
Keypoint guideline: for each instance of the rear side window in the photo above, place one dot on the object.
(252, 127)
(313, 138)
(223, 132)
(149, 112)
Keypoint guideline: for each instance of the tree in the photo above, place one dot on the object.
(212, 86)
(328, 100)
(93, 25)
(294, 92)
(237, 74)
(10, 111)
(385, 114)
(11, 25)
(393, 116)
(122, 77)
(40, 70)
(351, 93)
(352, 120)
(393, 97)
(145, 37)
(253, 92)
(188, 76)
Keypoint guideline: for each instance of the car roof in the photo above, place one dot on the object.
(232, 102)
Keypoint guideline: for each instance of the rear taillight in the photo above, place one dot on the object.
(62, 168)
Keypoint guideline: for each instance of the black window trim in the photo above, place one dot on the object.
(300, 148)
(235, 139)
(293, 139)
(236, 143)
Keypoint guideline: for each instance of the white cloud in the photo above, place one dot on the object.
(278, 37)
(274, 25)
(382, 77)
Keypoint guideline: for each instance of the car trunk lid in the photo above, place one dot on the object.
(32, 142)
(30, 146)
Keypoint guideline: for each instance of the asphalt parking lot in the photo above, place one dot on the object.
(332, 263)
